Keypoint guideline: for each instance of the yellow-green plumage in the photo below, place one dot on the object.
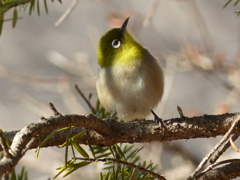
(130, 81)
(107, 55)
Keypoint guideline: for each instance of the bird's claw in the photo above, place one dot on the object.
(157, 119)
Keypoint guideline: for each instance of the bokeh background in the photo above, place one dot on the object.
(196, 42)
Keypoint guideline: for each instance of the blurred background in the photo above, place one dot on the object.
(196, 42)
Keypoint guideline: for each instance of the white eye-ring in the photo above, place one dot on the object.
(116, 43)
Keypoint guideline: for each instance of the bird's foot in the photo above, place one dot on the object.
(157, 119)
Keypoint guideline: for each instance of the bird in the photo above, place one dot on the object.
(130, 81)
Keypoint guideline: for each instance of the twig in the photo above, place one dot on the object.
(10, 19)
(24, 139)
(232, 97)
(52, 107)
(67, 13)
(86, 100)
(206, 158)
(210, 167)
(150, 14)
(69, 98)
(180, 113)
(3, 143)
(26, 79)
(201, 26)
(223, 172)
(29, 145)
(125, 163)
(182, 151)
(238, 38)
(237, 12)
(225, 147)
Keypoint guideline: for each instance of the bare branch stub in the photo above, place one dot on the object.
(52, 107)
(43, 119)
(180, 113)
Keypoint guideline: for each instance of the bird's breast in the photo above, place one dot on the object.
(125, 76)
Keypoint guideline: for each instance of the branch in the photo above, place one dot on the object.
(67, 13)
(224, 148)
(229, 171)
(109, 132)
(4, 145)
(209, 155)
(104, 133)
(26, 136)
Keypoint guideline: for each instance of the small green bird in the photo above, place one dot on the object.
(130, 81)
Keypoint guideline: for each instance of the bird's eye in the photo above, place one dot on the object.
(116, 43)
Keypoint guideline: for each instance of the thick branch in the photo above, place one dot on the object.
(110, 132)
(23, 138)
(145, 131)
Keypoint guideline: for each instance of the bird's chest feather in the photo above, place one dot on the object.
(122, 81)
(124, 78)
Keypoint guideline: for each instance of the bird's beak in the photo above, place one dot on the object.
(123, 28)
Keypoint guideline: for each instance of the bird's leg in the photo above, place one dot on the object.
(157, 119)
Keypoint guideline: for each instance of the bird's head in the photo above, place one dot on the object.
(117, 46)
